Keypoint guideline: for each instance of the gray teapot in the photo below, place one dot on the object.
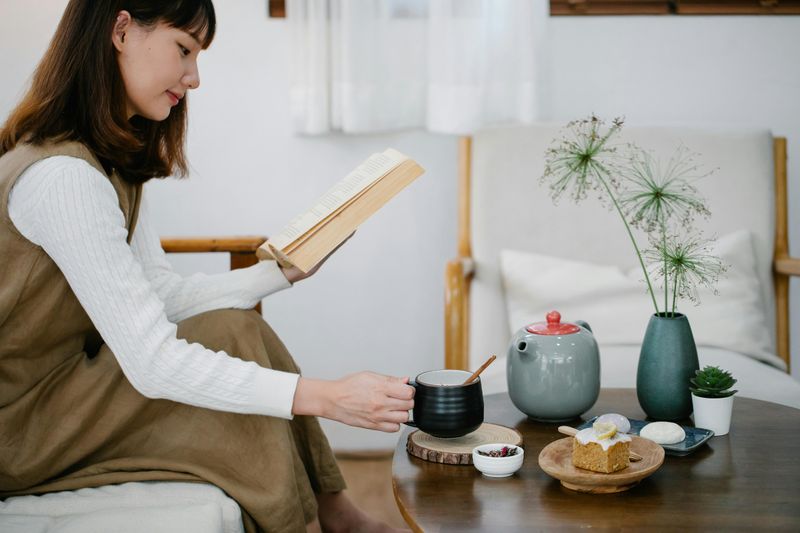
(553, 369)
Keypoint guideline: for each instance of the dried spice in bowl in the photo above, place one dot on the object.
(505, 451)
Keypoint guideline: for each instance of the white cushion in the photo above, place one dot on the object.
(617, 307)
(155, 507)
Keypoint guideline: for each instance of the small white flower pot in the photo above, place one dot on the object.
(713, 414)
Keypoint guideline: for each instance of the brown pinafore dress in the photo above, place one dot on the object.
(70, 419)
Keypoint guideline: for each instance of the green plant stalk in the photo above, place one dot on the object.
(674, 292)
(666, 295)
(633, 240)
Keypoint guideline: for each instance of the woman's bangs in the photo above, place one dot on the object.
(195, 17)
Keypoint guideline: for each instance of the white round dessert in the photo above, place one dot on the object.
(663, 432)
(622, 423)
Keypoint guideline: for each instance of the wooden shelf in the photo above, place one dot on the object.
(674, 7)
(738, 7)
(277, 8)
(609, 7)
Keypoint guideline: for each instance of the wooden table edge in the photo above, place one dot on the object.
(403, 511)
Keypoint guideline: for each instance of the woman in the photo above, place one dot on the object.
(112, 367)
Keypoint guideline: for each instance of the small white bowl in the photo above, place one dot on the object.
(497, 466)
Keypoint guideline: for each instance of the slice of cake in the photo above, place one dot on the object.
(601, 448)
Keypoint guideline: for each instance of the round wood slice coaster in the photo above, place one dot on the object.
(458, 451)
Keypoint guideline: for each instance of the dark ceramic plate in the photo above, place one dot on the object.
(695, 437)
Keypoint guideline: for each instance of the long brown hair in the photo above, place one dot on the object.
(77, 93)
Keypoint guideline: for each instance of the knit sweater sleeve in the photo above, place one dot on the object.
(71, 210)
(188, 296)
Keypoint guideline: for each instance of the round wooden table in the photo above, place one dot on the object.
(746, 480)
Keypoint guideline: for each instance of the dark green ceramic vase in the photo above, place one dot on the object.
(666, 363)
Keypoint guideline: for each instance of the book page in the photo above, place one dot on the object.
(321, 224)
(375, 167)
(327, 235)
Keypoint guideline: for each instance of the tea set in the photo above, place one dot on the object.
(553, 371)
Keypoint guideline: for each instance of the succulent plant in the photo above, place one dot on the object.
(712, 382)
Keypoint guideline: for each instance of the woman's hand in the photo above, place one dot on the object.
(294, 274)
(366, 400)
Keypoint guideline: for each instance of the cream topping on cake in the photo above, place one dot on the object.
(585, 436)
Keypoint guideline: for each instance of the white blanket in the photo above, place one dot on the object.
(155, 507)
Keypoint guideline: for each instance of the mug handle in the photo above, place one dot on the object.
(411, 422)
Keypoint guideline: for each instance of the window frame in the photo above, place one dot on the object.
(674, 7)
(560, 8)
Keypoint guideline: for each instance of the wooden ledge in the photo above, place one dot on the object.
(178, 245)
(788, 265)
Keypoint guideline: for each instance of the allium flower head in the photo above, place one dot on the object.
(646, 194)
(582, 158)
(687, 263)
(657, 192)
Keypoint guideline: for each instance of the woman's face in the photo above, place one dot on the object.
(158, 66)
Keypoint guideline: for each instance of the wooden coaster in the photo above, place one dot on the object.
(458, 451)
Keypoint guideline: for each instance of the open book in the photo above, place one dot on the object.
(317, 232)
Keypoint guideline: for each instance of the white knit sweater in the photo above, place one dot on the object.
(133, 297)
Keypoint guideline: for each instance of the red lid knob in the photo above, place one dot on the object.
(553, 326)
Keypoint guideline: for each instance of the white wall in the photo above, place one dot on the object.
(378, 303)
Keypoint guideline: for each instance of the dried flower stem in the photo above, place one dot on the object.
(674, 290)
(666, 292)
(633, 239)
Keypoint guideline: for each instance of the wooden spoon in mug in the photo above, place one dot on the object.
(566, 430)
(475, 374)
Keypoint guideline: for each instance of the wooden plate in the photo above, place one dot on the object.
(556, 460)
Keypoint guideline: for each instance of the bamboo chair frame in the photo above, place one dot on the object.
(242, 250)
(459, 271)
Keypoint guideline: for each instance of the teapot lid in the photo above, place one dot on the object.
(553, 326)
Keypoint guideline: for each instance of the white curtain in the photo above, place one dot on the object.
(449, 66)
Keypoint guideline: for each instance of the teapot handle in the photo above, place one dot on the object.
(583, 324)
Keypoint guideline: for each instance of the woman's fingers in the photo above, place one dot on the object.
(397, 417)
(393, 404)
(388, 427)
(294, 274)
(399, 388)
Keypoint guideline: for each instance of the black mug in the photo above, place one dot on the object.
(443, 406)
